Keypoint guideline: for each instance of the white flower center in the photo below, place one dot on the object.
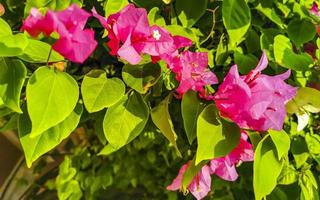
(156, 35)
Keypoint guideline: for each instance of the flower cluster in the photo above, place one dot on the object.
(75, 42)
(224, 167)
(131, 36)
(263, 98)
(254, 101)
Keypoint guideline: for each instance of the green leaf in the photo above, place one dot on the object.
(34, 147)
(125, 120)
(182, 31)
(38, 52)
(267, 168)
(12, 76)
(301, 31)
(237, 19)
(306, 99)
(270, 13)
(300, 151)
(141, 77)
(190, 11)
(286, 57)
(67, 187)
(191, 107)
(99, 92)
(313, 143)
(5, 29)
(289, 175)
(161, 118)
(13, 45)
(245, 63)
(113, 6)
(51, 97)
(282, 142)
(155, 17)
(222, 51)
(216, 136)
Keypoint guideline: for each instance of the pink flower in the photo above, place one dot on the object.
(75, 42)
(192, 71)
(315, 9)
(225, 167)
(200, 185)
(130, 35)
(255, 101)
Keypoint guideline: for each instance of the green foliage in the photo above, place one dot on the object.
(117, 150)
(34, 147)
(40, 52)
(236, 18)
(267, 168)
(191, 107)
(125, 120)
(216, 136)
(51, 97)
(286, 57)
(12, 76)
(161, 118)
(99, 92)
(113, 6)
(141, 77)
(190, 11)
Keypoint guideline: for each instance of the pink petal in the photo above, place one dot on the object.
(176, 183)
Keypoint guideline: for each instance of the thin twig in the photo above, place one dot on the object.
(213, 24)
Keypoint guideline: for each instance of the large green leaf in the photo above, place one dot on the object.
(245, 63)
(191, 107)
(5, 29)
(13, 45)
(301, 31)
(286, 57)
(266, 168)
(190, 11)
(12, 76)
(216, 136)
(51, 97)
(282, 142)
(154, 17)
(161, 118)
(236, 18)
(113, 6)
(34, 147)
(99, 92)
(306, 99)
(38, 52)
(125, 120)
(269, 12)
(141, 77)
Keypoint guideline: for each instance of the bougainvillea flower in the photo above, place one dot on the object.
(75, 43)
(192, 71)
(225, 167)
(130, 35)
(255, 101)
(200, 185)
(315, 9)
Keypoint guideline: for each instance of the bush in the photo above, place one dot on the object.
(135, 100)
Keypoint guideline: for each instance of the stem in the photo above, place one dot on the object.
(49, 56)
(213, 25)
